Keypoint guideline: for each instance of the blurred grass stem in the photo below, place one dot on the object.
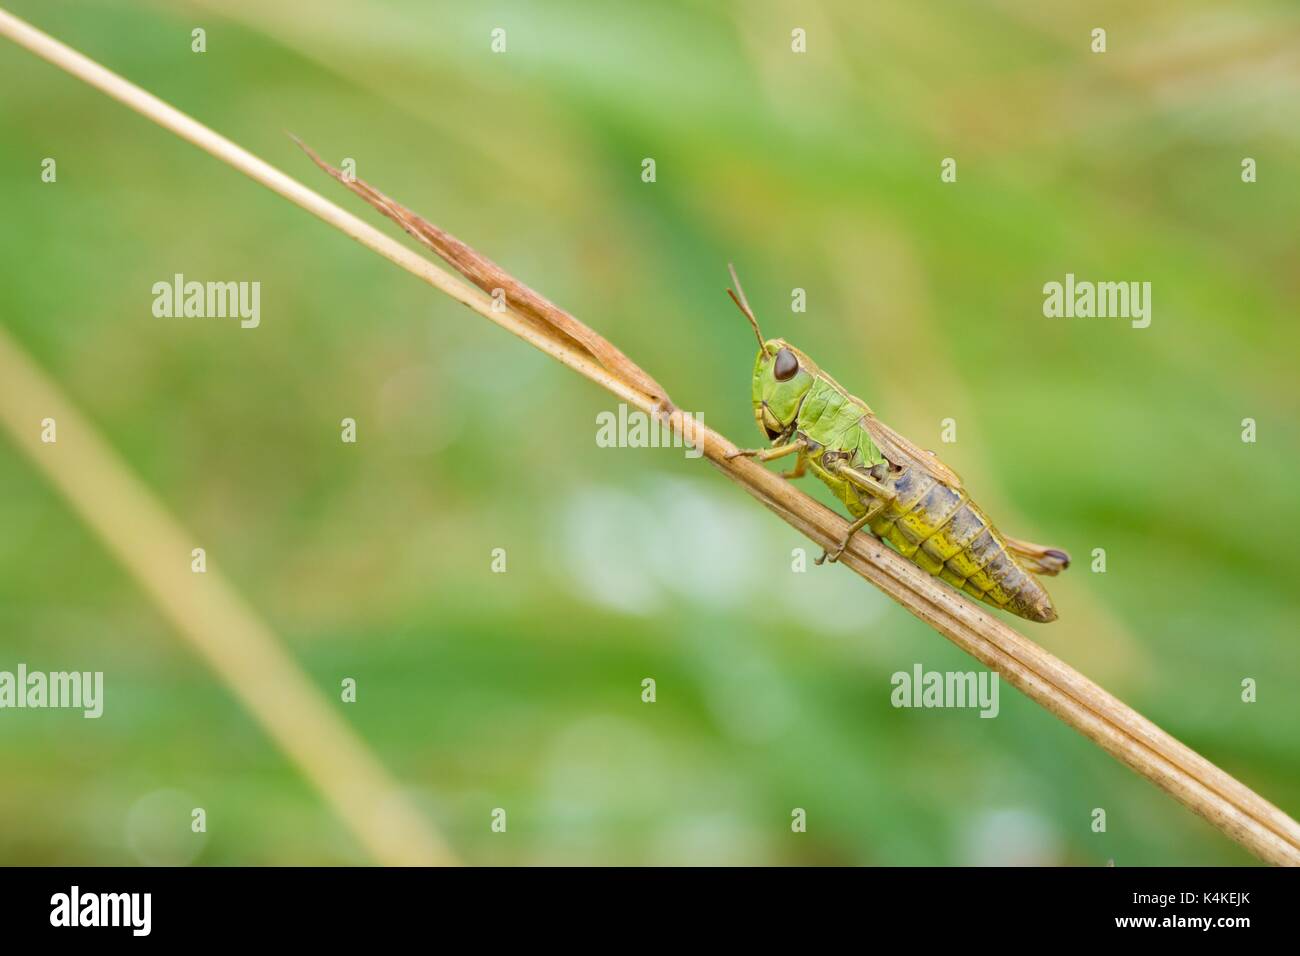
(205, 608)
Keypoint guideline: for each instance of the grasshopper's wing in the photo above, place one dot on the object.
(901, 451)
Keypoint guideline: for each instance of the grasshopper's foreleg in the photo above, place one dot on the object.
(772, 454)
(880, 496)
(800, 466)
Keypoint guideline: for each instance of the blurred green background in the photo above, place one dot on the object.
(817, 171)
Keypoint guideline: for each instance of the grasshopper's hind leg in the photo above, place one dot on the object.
(858, 525)
(879, 494)
(1037, 559)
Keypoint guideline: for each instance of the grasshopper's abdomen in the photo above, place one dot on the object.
(945, 533)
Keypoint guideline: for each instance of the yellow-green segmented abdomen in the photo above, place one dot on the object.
(946, 534)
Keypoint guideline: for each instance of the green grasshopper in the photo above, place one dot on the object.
(904, 494)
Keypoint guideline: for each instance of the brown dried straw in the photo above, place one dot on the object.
(1191, 779)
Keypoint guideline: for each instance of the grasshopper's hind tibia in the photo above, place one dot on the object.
(879, 495)
(858, 525)
(1036, 558)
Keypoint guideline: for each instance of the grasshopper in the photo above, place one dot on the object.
(905, 495)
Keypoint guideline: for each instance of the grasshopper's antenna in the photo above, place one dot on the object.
(742, 303)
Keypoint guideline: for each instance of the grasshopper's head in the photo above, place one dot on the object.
(782, 377)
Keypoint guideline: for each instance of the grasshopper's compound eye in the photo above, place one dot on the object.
(786, 365)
